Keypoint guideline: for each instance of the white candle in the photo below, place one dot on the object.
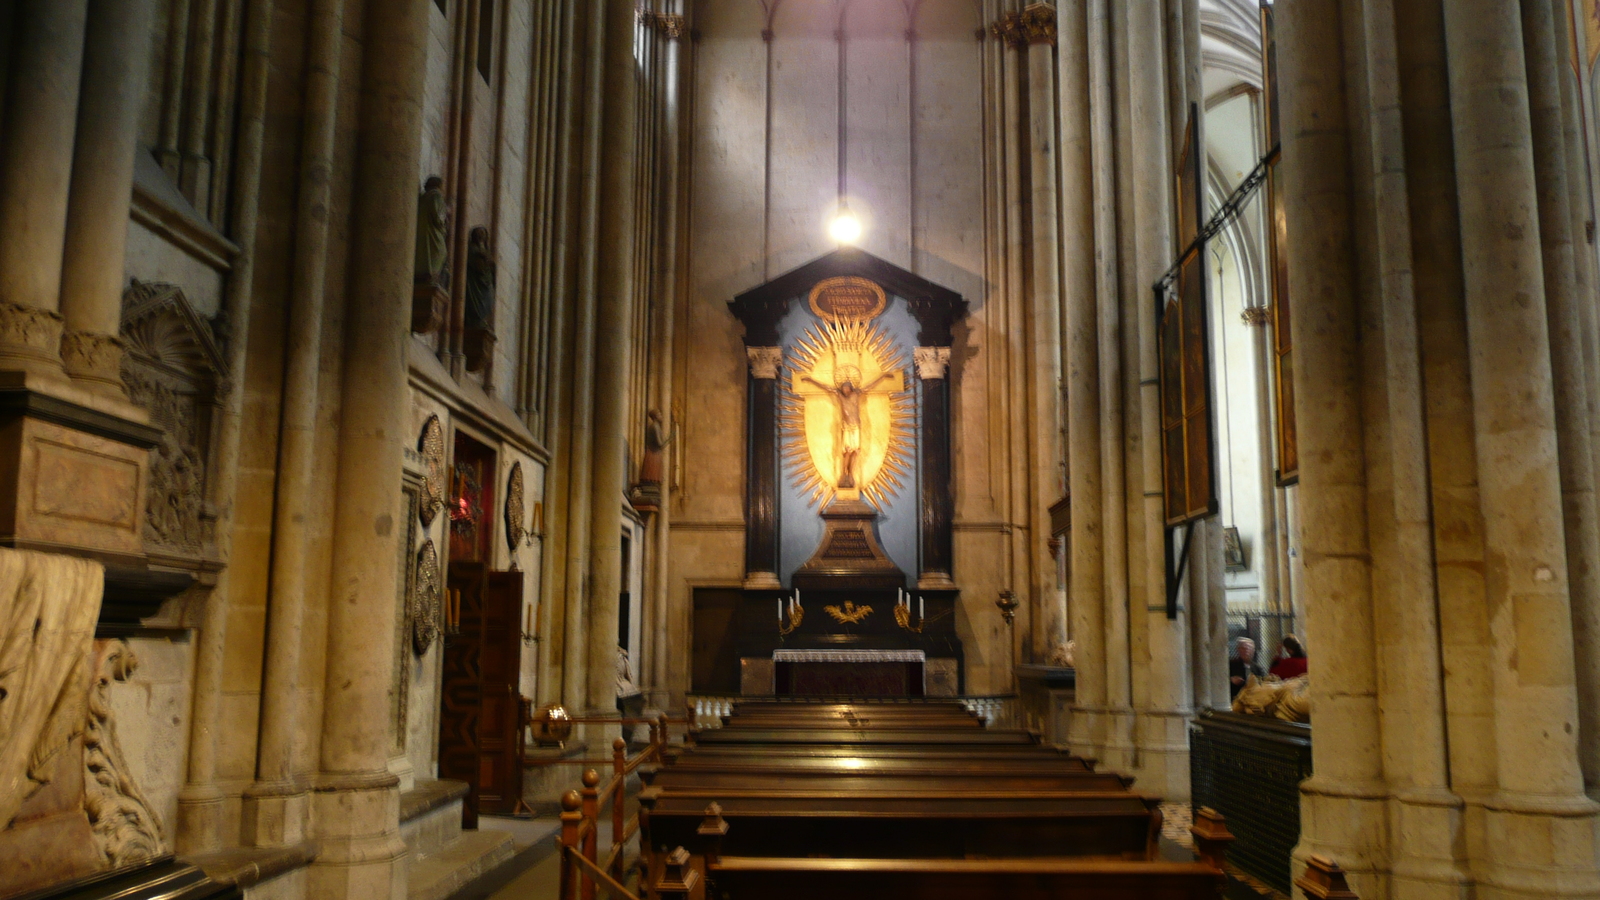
(919, 606)
(780, 612)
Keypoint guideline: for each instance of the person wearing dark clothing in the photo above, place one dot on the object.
(1242, 665)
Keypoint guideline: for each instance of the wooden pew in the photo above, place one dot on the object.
(865, 736)
(984, 780)
(860, 824)
(767, 878)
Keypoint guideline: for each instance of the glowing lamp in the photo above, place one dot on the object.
(845, 227)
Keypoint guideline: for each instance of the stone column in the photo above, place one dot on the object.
(1081, 366)
(356, 809)
(1038, 28)
(275, 806)
(116, 69)
(761, 485)
(1163, 734)
(1540, 803)
(1343, 802)
(41, 115)
(613, 351)
(1568, 326)
(201, 803)
(933, 368)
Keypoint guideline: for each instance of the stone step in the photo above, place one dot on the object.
(430, 815)
(437, 875)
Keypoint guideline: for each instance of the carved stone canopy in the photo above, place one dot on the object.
(935, 307)
(173, 366)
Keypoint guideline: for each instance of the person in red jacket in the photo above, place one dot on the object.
(1291, 659)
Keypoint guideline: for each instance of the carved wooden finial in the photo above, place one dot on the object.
(619, 745)
(1211, 836)
(678, 877)
(570, 801)
(590, 778)
(713, 823)
(1324, 880)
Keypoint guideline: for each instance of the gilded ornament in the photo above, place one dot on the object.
(515, 532)
(849, 614)
(425, 599)
(847, 298)
(847, 416)
(431, 445)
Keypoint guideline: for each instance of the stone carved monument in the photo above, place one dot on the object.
(173, 367)
(68, 807)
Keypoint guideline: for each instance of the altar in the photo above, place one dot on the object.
(857, 673)
(848, 585)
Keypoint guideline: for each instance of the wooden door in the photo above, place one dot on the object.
(479, 701)
(461, 693)
(499, 771)
(716, 641)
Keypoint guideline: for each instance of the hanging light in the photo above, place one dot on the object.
(845, 227)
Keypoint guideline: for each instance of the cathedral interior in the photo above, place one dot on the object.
(406, 405)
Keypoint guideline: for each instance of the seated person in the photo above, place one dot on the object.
(1291, 659)
(1242, 665)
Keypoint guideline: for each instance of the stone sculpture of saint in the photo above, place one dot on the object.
(433, 220)
(480, 280)
(657, 435)
(849, 397)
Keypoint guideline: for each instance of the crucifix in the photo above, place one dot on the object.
(849, 399)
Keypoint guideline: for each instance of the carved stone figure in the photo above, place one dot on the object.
(125, 829)
(433, 221)
(478, 320)
(657, 435)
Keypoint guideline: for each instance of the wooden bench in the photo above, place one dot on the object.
(768, 878)
(865, 736)
(984, 780)
(873, 824)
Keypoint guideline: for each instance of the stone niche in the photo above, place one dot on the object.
(173, 367)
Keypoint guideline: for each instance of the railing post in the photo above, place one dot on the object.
(619, 770)
(591, 814)
(1211, 836)
(1324, 880)
(571, 818)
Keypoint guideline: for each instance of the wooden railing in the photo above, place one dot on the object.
(583, 869)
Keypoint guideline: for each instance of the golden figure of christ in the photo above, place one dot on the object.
(849, 398)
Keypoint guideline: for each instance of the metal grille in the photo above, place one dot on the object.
(1250, 769)
(1265, 627)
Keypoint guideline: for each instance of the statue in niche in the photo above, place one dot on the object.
(646, 494)
(430, 298)
(849, 398)
(478, 321)
(433, 222)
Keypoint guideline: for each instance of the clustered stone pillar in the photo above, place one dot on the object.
(761, 500)
(36, 160)
(1038, 29)
(1535, 697)
(613, 352)
(116, 69)
(356, 809)
(1346, 788)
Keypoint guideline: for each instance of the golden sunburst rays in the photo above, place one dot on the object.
(811, 415)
